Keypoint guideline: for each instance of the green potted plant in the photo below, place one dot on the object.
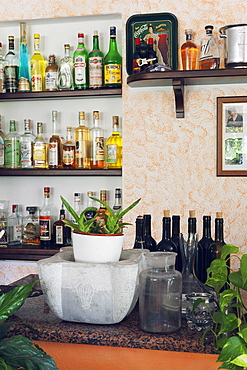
(99, 239)
(230, 324)
(18, 352)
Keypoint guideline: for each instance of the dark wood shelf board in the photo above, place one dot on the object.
(26, 254)
(47, 172)
(66, 94)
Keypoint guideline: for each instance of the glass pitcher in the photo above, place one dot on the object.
(160, 294)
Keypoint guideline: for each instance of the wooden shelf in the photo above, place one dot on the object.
(46, 172)
(178, 79)
(26, 254)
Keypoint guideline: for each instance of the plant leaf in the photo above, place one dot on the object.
(230, 322)
(240, 360)
(70, 209)
(128, 208)
(225, 298)
(233, 348)
(230, 366)
(11, 301)
(243, 334)
(243, 268)
(236, 279)
(228, 249)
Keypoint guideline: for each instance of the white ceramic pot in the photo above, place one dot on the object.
(97, 248)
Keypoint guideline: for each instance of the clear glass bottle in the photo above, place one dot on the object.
(38, 66)
(114, 146)
(113, 63)
(92, 209)
(55, 145)
(175, 239)
(11, 63)
(12, 148)
(189, 52)
(40, 152)
(2, 138)
(117, 200)
(69, 150)
(51, 74)
(166, 244)
(4, 205)
(14, 228)
(139, 242)
(96, 61)
(27, 140)
(2, 84)
(160, 294)
(77, 205)
(82, 144)
(30, 233)
(24, 63)
(61, 232)
(97, 143)
(65, 70)
(80, 61)
(201, 264)
(209, 54)
(150, 242)
(46, 219)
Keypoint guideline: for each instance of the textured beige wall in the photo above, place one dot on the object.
(169, 162)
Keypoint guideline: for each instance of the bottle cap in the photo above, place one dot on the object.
(80, 34)
(81, 115)
(66, 46)
(95, 33)
(96, 114)
(192, 214)
(115, 120)
(31, 209)
(36, 35)
(166, 213)
(218, 214)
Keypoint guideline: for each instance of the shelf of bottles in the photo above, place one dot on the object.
(60, 172)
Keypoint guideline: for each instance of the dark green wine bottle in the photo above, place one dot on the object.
(113, 63)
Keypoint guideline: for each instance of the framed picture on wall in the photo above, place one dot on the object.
(232, 136)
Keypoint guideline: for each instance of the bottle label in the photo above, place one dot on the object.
(81, 149)
(36, 82)
(12, 153)
(51, 80)
(17, 231)
(68, 157)
(80, 70)
(111, 153)
(53, 154)
(99, 149)
(59, 234)
(113, 74)
(26, 154)
(95, 72)
(11, 77)
(1, 152)
(65, 76)
(3, 231)
(39, 155)
(45, 227)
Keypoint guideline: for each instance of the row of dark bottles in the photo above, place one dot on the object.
(207, 248)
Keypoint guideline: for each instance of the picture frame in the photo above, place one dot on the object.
(232, 136)
(165, 33)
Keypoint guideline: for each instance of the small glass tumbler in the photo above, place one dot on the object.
(199, 310)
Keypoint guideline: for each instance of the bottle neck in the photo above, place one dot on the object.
(113, 43)
(140, 229)
(175, 225)
(69, 136)
(166, 228)
(54, 123)
(147, 223)
(188, 37)
(118, 201)
(191, 225)
(219, 230)
(206, 227)
(46, 199)
(66, 52)
(95, 42)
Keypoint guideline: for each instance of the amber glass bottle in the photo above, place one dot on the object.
(189, 52)
(51, 74)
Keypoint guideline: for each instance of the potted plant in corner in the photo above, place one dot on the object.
(99, 239)
(230, 322)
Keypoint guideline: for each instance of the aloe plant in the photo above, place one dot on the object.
(112, 224)
(18, 352)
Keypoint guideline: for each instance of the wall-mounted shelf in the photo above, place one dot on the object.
(178, 79)
(59, 172)
(26, 254)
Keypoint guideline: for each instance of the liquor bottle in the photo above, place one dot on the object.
(150, 242)
(151, 53)
(118, 200)
(209, 54)
(137, 56)
(82, 144)
(139, 237)
(77, 205)
(55, 145)
(2, 138)
(24, 65)
(214, 250)
(14, 228)
(40, 152)
(46, 218)
(51, 74)
(102, 211)
(27, 140)
(65, 70)
(189, 52)
(97, 144)
(37, 66)
(95, 60)
(202, 252)
(30, 233)
(175, 239)
(192, 233)
(114, 146)
(80, 61)
(90, 213)
(61, 232)
(113, 63)
(2, 84)
(11, 64)
(12, 148)
(166, 244)
(69, 150)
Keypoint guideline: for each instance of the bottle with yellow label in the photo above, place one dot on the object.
(40, 149)
(113, 63)
(114, 146)
(38, 66)
(82, 144)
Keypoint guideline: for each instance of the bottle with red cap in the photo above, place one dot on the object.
(80, 61)
(46, 219)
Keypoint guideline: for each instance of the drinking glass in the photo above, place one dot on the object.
(199, 310)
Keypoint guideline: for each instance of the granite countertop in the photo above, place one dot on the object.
(125, 334)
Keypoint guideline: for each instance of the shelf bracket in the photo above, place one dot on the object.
(178, 88)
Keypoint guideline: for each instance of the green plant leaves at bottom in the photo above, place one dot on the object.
(233, 348)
